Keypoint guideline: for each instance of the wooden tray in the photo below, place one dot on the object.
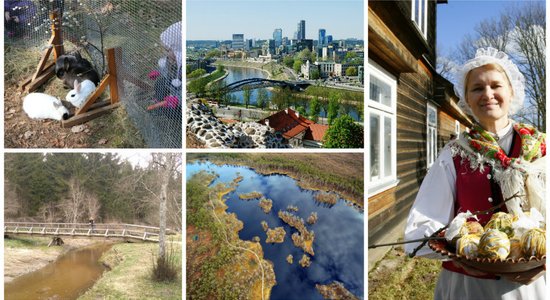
(495, 266)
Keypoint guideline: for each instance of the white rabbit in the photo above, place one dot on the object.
(43, 106)
(81, 91)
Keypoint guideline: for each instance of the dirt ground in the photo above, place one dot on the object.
(113, 130)
(19, 261)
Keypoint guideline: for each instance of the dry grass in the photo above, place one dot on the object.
(399, 277)
(251, 195)
(114, 130)
(130, 278)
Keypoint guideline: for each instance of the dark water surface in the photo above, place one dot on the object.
(66, 278)
(338, 244)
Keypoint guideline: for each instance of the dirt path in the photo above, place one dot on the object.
(20, 260)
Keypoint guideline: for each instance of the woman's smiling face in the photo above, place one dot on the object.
(488, 93)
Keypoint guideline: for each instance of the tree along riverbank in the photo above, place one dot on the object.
(24, 255)
(342, 173)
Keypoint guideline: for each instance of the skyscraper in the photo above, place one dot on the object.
(321, 41)
(329, 39)
(301, 30)
(278, 37)
(238, 41)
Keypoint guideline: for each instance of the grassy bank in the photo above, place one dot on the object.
(130, 276)
(343, 95)
(198, 86)
(399, 277)
(219, 264)
(339, 172)
(274, 70)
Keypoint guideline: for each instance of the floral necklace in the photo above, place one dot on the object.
(533, 144)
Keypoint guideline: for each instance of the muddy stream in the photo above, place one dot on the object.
(66, 278)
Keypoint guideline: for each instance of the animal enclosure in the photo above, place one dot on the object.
(149, 69)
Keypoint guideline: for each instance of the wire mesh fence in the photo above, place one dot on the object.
(149, 70)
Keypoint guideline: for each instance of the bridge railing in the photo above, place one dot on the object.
(140, 232)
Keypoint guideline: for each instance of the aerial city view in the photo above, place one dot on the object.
(276, 76)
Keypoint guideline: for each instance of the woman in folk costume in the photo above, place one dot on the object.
(498, 159)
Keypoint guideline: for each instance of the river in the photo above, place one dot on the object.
(338, 244)
(67, 278)
(239, 73)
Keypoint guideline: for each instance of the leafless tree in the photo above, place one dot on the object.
(167, 164)
(530, 45)
(49, 212)
(78, 203)
(73, 205)
(92, 206)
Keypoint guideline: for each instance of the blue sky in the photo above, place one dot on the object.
(219, 19)
(459, 17)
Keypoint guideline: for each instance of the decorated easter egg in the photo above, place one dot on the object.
(467, 245)
(516, 251)
(501, 221)
(472, 227)
(533, 242)
(494, 244)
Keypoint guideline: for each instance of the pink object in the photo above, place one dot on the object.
(171, 101)
(168, 102)
(153, 74)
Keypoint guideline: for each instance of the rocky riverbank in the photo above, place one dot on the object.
(208, 129)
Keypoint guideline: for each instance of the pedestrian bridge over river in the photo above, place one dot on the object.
(256, 83)
(84, 230)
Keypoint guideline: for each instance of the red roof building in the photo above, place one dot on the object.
(299, 131)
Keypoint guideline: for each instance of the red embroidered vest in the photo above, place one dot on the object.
(474, 189)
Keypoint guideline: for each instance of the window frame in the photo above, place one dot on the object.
(431, 145)
(382, 182)
(420, 21)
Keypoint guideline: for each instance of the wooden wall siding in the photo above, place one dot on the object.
(380, 208)
(386, 48)
(446, 127)
(381, 202)
(397, 17)
(415, 88)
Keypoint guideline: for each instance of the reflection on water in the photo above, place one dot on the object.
(237, 74)
(66, 278)
(338, 245)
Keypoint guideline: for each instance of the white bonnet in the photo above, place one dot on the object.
(491, 56)
(171, 38)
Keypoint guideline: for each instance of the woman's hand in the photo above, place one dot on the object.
(526, 277)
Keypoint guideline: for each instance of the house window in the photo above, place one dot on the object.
(381, 136)
(431, 137)
(420, 15)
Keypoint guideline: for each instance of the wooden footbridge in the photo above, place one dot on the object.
(85, 230)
